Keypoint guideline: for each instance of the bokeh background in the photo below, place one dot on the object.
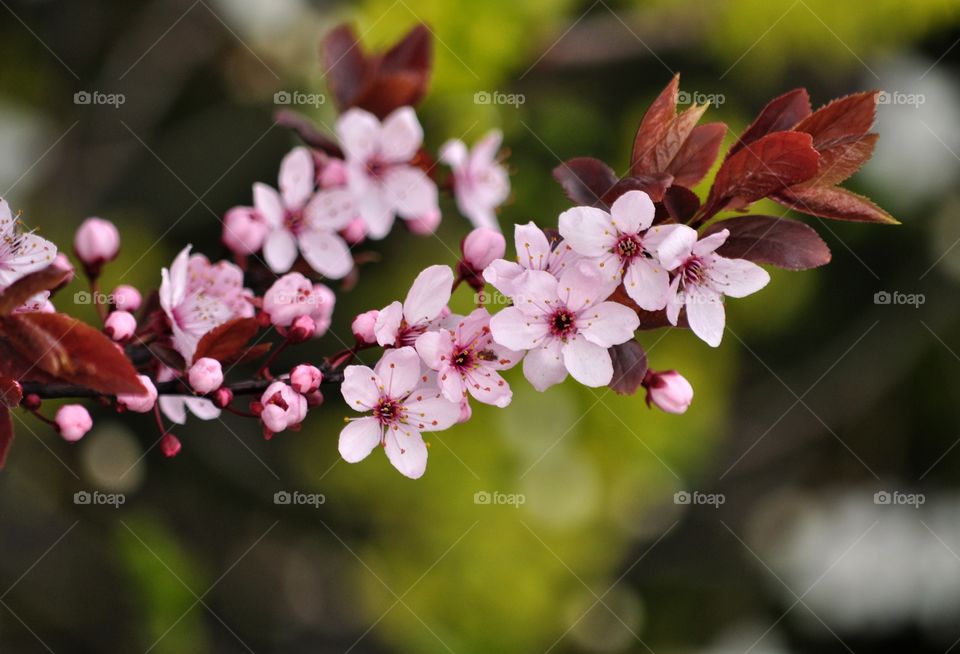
(819, 398)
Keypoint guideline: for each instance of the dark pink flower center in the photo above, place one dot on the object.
(562, 323)
(628, 247)
(388, 411)
(693, 271)
(293, 220)
(377, 167)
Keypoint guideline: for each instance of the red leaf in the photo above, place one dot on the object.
(227, 340)
(71, 351)
(658, 117)
(654, 185)
(776, 241)
(6, 434)
(399, 76)
(585, 180)
(836, 203)
(851, 115)
(681, 203)
(693, 161)
(414, 52)
(771, 164)
(16, 366)
(780, 114)
(29, 285)
(841, 158)
(252, 353)
(661, 152)
(629, 367)
(345, 66)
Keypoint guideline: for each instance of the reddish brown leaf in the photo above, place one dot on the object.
(19, 367)
(345, 66)
(629, 367)
(661, 153)
(26, 287)
(680, 203)
(227, 340)
(851, 115)
(166, 355)
(769, 165)
(251, 353)
(6, 434)
(585, 180)
(648, 319)
(414, 52)
(71, 351)
(780, 114)
(693, 161)
(841, 158)
(776, 241)
(657, 119)
(836, 203)
(654, 185)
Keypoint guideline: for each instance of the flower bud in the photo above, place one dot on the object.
(206, 375)
(334, 174)
(426, 224)
(364, 327)
(355, 231)
(73, 421)
(283, 407)
(120, 325)
(669, 391)
(244, 230)
(222, 397)
(170, 445)
(305, 378)
(139, 403)
(32, 401)
(302, 329)
(481, 247)
(96, 242)
(127, 298)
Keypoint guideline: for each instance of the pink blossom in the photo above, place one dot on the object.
(293, 296)
(244, 230)
(364, 327)
(175, 407)
(299, 220)
(534, 252)
(305, 378)
(205, 375)
(401, 412)
(467, 360)
(355, 231)
(565, 324)
(96, 242)
(669, 391)
(401, 324)
(20, 253)
(701, 278)
(379, 175)
(333, 173)
(481, 247)
(140, 403)
(120, 325)
(302, 329)
(127, 298)
(198, 296)
(480, 183)
(73, 421)
(424, 224)
(283, 407)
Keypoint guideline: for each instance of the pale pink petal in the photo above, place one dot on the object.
(514, 329)
(489, 387)
(358, 439)
(454, 153)
(400, 136)
(706, 315)
(435, 348)
(588, 230)
(710, 243)
(174, 408)
(533, 248)
(676, 246)
(8, 225)
(485, 150)
(387, 326)
(399, 370)
(584, 284)
(632, 212)
(429, 294)
(451, 383)
(359, 133)
(406, 450)
(587, 362)
(203, 409)
(331, 209)
(373, 203)
(410, 191)
(280, 250)
(269, 205)
(674, 301)
(428, 410)
(647, 282)
(535, 292)
(737, 277)
(326, 253)
(543, 366)
(361, 388)
(653, 237)
(173, 285)
(297, 177)
(608, 324)
(501, 274)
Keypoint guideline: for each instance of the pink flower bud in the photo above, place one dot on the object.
(355, 231)
(140, 403)
(302, 329)
(283, 407)
(206, 375)
(73, 421)
(170, 445)
(669, 390)
(96, 242)
(305, 378)
(481, 247)
(222, 397)
(426, 224)
(120, 325)
(364, 327)
(244, 230)
(334, 174)
(127, 298)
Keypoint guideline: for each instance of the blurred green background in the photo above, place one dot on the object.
(818, 398)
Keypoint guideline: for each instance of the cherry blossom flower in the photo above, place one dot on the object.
(623, 244)
(283, 407)
(534, 252)
(175, 407)
(198, 296)
(20, 253)
(299, 220)
(702, 278)
(205, 375)
(467, 360)
(293, 296)
(305, 378)
(480, 182)
(401, 411)
(380, 176)
(244, 230)
(400, 324)
(73, 421)
(120, 325)
(565, 324)
(140, 403)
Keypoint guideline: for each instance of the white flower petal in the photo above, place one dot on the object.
(647, 282)
(360, 388)
(632, 212)
(269, 205)
(401, 135)
(608, 324)
(280, 250)
(399, 370)
(297, 178)
(406, 450)
(587, 362)
(429, 294)
(706, 315)
(543, 366)
(359, 438)
(326, 253)
(588, 230)
(359, 134)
